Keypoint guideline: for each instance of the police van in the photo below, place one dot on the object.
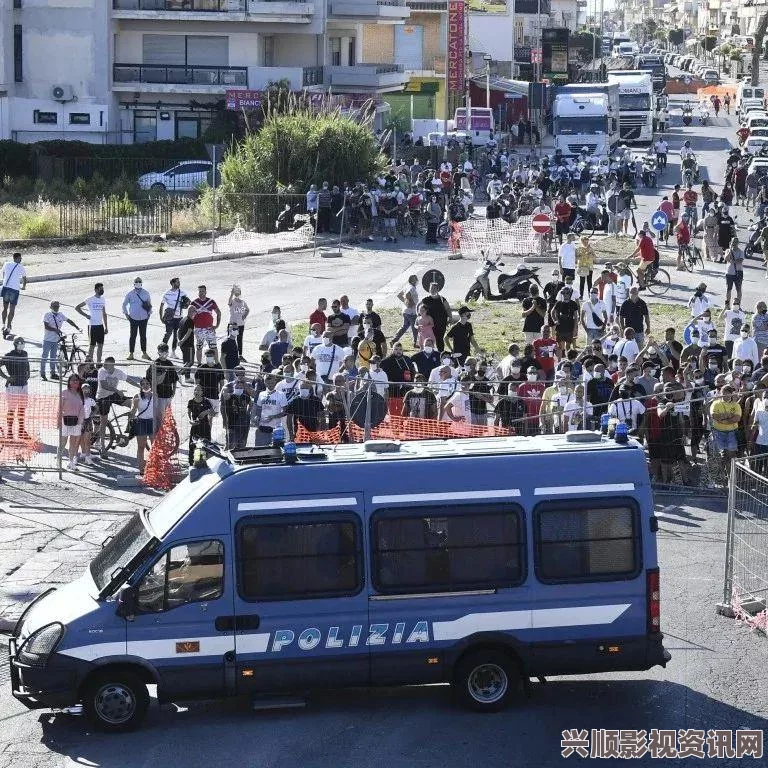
(476, 562)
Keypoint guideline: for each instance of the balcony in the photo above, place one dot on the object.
(160, 78)
(215, 10)
(375, 77)
(422, 6)
(428, 66)
(382, 11)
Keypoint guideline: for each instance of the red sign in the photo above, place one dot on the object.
(541, 223)
(236, 100)
(536, 57)
(456, 43)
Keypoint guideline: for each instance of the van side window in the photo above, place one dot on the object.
(284, 557)
(576, 541)
(187, 573)
(438, 550)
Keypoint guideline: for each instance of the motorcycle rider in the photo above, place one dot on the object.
(661, 147)
(688, 167)
(685, 150)
(690, 200)
(649, 169)
(592, 203)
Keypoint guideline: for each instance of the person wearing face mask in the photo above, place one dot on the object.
(137, 307)
(713, 353)
(400, 371)
(698, 409)
(510, 412)
(427, 359)
(97, 320)
(531, 392)
(238, 312)
(14, 368)
(419, 402)
(271, 404)
(205, 325)
(733, 318)
(369, 341)
(758, 435)
(53, 322)
(627, 408)
(142, 414)
(725, 414)
(186, 342)
(380, 380)
(200, 412)
(594, 316)
(577, 413)
(210, 376)
(760, 326)
(307, 409)
(314, 338)
(745, 347)
(229, 353)
(164, 377)
(279, 347)
(328, 357)
(440, 311)
(461, 336)
(598, 392)
(172, 307)
(236, 398)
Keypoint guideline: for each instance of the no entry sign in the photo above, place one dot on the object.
(541, 223)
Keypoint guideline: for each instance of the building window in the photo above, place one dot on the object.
(439, 550)
(192, 125)
(144, 126)
(334, 48)
(269, 50)
(17, 3)
(290, 558)
(45, 118)
(580, 542)
(79, 118)
(18, 67)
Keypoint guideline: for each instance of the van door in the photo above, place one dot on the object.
(301, 608)
(179, 598)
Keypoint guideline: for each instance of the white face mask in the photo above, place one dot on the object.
(563, 390)
(20, 347)
(327, 342)
(515, 369)
(137, 286)
(744, 334)
(737, 369)
(209, 358)
(275, 315)
(531, 377)
(698, 382)
(233, 334)
(374, 366)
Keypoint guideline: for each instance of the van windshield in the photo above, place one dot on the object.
(585, 125)
(638, 102)
(119, 551)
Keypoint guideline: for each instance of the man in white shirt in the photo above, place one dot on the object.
(627, 347)
(699, 303)
(108, 394)
(270, 404)
(14, 280)
(53, 322)
(594, 316)
(409, 298)
(686, 150)
(566, 256)
(172, 305)
(626, 409)
(380, 379)
(97, 321)
(313, 339)
(746, 347)
(328, 357)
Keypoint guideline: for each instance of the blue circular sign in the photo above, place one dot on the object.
(659, 221)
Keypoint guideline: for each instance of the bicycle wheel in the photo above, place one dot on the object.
(699, 257)
(688, 259)
(109, 434)
(421, 225)
(119, 425)
(660, 283)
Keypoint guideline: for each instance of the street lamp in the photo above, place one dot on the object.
(487, 60)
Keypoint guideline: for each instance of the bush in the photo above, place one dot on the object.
(40, 219)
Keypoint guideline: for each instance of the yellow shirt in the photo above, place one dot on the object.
(719, 409)
(585, 259)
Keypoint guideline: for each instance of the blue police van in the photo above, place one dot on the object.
(477, 562)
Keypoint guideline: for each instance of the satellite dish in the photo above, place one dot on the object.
(358, 408)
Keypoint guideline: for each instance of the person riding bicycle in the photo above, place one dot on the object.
(688, 168)
(686, 150)
(647, 256)
(690, 199)
(683, 237)
(661, 147)
(108, 394)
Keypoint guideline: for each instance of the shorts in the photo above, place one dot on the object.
(643, 265)
(564, 337)
(105, 403)
(10, 295)
(203, 335)
(96, 334)
(74, 431)
(390, 223)
(625, 214)
(737, 280)
(145, 427)
(568, 272)
(725, 441)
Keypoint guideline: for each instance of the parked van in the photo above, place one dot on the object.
(477, 562)
(749, 98)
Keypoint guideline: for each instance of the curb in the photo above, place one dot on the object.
(123, 268)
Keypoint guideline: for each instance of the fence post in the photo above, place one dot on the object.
(58, 447)
(213, 206)
(726, 608)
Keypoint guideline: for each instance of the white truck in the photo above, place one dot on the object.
(636, 104)
(582, 120)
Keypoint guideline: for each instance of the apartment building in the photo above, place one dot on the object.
(139, 70)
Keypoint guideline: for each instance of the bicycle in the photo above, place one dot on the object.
(657, 280)
(70, 359)
(117, 432)
(411, 224)
(692, 258)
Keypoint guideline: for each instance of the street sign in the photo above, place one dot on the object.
(536, 56)
(659, 221)
(433, 276)
(541, 223)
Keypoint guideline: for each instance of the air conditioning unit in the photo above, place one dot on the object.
(62, 93)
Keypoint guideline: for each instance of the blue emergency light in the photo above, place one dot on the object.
(622, 433)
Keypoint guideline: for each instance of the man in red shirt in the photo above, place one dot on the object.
(545, 353)
(683, 235)
(319, 316)
(690, 200)
(606, 277)
(646, 250)
(666, 207)
(562, 217)
(205, 329)
(530, 392)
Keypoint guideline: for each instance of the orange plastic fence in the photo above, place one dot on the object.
(163, 470)
(399, 428)
(29, 426)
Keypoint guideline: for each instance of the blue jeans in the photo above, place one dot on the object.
(409, 321)
(50, 352)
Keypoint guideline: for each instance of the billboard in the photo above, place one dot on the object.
(456, 46)
(242, 99)
(554, 44)
(488, 6)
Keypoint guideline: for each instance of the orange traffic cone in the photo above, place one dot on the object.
(163, 471)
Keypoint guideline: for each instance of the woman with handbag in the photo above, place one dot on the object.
(141, 421)
(71, 415)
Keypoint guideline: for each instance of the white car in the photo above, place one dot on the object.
(759, 164)
(758, 133)
(185, 176)
(754, 144)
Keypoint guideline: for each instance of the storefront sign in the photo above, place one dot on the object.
(236, 100)
(456, 44)
(554, 44)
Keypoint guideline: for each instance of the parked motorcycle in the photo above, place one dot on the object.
(514, 286)
(754, 246)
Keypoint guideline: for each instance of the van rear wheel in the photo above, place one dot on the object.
(115, 702)
(487, 681)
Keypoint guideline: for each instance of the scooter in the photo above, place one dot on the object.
(515, 286)
(649, 172)
(753, 245)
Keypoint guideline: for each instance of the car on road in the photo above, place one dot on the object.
(710, 76)
(759, 164)
(754, 144)
(759, 132)
(185, 176)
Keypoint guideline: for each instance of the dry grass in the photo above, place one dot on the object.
(33, 220)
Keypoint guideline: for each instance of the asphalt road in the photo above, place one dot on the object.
(715, 680)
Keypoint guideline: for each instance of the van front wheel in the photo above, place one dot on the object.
(116, 702)
(487, 681)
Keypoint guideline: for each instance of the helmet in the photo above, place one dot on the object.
(687, 143)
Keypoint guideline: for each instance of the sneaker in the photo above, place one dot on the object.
(130, 356)
(145, 356)
(87, 459)
(72, 465)
(55, 376)
(43, 377)
(175, 354)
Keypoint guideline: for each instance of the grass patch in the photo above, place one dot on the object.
(497, 325)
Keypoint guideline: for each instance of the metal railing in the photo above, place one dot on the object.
(204, 6)
(118, 216)
(179, 74)
(312, 76)
(745, 586)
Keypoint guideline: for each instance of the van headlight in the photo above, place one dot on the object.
(40, 645)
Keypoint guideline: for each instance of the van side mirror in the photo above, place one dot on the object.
(126, 602)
